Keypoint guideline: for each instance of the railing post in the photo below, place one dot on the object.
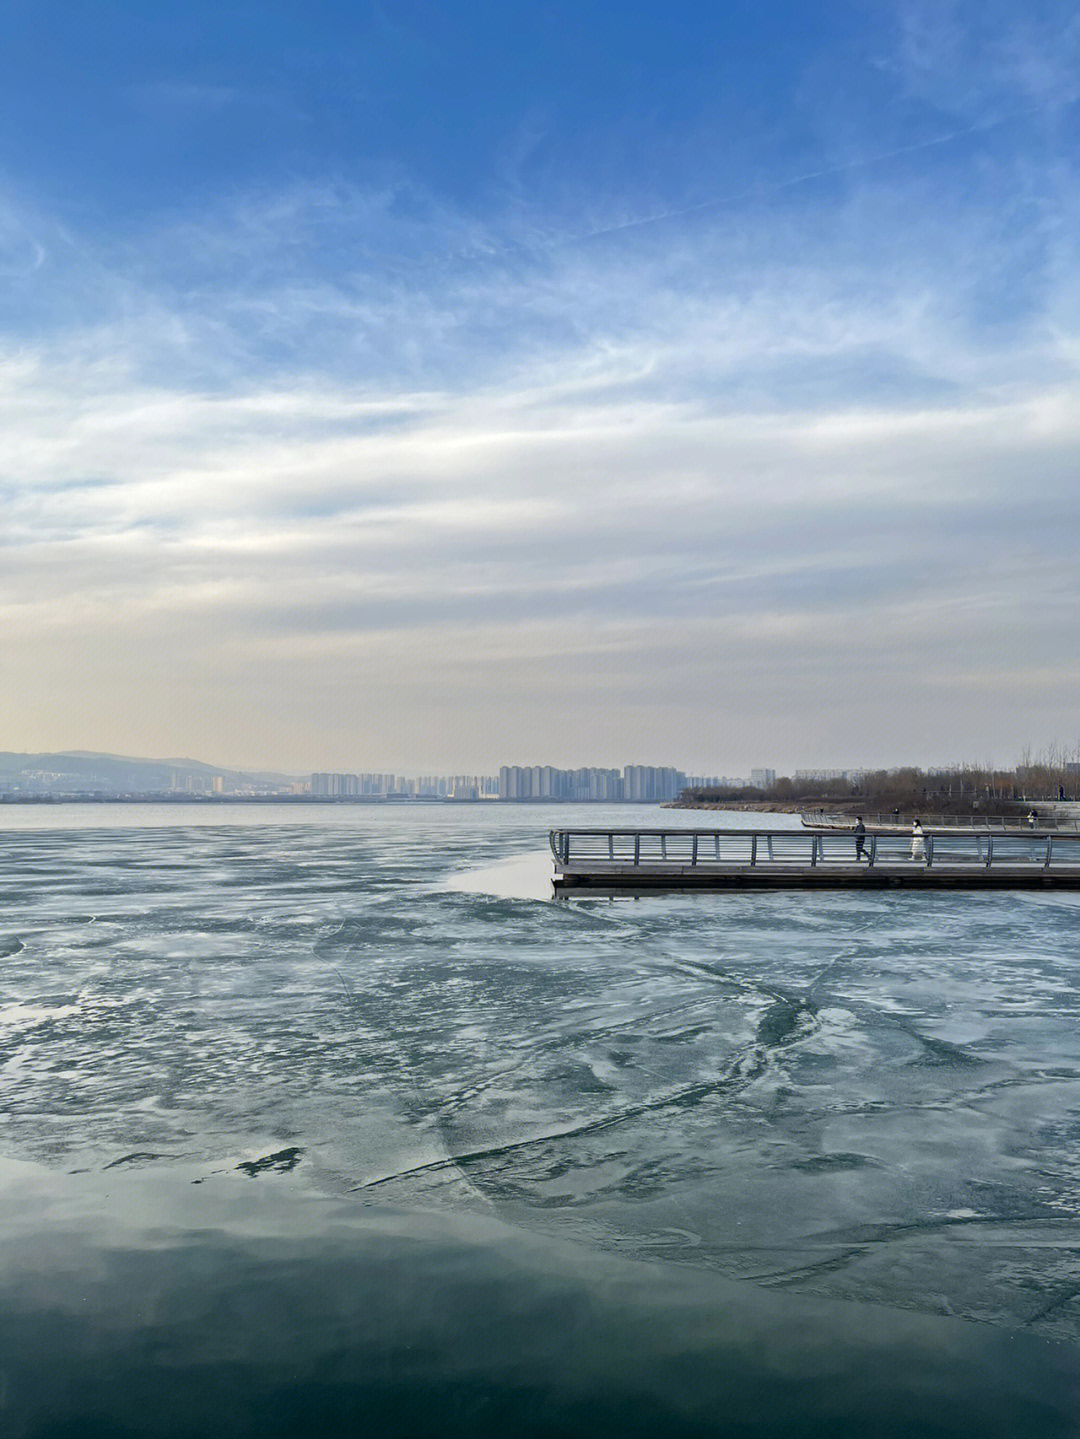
(989, 851)
(610, 846)
(929, 850)
(663, 845)
(637, 848)
(753, 850)
(813, 851)
(873, 850)
(693, 850)
(1049, 850)
(566, 847)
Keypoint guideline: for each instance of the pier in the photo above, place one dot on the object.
(764, 858)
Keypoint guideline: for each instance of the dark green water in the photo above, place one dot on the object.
(270, 1311)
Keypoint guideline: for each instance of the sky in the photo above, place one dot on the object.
(426, 386)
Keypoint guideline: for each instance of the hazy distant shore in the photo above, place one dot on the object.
(211, 799)
(394, 800)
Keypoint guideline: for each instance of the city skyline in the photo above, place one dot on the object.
(82, 772)
(438, 385)
(79, 773)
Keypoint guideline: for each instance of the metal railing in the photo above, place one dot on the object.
(740, 848)
(835, 819)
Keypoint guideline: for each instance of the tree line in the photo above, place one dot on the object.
(952, 789)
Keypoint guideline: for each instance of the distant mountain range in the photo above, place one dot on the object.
(83, 771)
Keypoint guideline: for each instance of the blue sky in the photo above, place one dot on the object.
(144, 106)
(415, 385)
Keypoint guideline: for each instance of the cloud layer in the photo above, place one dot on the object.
(341, 473)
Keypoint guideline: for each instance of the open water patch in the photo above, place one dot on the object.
(255, 1313)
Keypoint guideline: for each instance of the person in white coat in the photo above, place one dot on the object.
(918, 842)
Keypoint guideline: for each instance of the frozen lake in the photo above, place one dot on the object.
(373, 1010)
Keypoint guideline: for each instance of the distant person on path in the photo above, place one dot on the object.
(1032, 819)
(860, 839)
(918, 842)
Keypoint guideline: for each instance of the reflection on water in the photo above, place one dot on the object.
(288, 1316)
(328, 1117)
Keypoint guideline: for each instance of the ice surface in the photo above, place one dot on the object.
(873, 1096)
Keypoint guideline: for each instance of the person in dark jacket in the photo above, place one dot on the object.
(860, 839)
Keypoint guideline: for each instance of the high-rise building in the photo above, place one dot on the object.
(638, 783)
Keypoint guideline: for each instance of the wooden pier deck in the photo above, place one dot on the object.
(764, 858)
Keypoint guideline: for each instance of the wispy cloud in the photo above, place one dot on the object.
(969, 56)
(340, 472)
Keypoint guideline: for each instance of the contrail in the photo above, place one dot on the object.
(779, 185)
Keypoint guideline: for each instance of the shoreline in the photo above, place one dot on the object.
(1069, 808)
(749, 806)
